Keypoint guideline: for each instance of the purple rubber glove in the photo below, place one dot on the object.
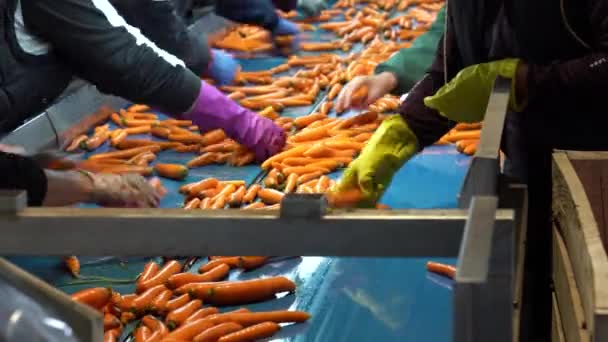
(212, 110)
(223, 67)
(284, 28)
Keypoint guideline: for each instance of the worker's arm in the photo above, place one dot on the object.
(159, 21)
(409, 65)
(255, 12)
(102, 48)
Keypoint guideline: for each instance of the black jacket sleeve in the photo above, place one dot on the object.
(161, 23)
(99, 45)
(21, 173)
(255, 12)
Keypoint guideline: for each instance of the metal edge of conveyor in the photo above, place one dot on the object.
(86, 323)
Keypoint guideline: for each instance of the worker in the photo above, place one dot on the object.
(52, 42)
(555, 55)
(61, 188)
(398, 74)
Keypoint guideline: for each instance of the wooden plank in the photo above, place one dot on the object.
(557, 330)
(586, 155)
(567, 294)
(574, 219)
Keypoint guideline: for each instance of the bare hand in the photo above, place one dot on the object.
(377, 86)
(130, 190)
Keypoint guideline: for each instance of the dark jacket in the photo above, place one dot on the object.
(161, 22)
(564, 76)
(256, 12)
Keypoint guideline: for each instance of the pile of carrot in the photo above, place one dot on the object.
(168, 303)
(465, 136)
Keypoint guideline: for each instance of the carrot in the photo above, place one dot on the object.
(294, 152)
(154, 324)
(271, 180)
(209, 193)
(145, 129)
(126, 302)
(110, 322)
(251, 318)
(334, 91)
(73, 265)
(141, 159)
(144, 300)
(321, 151)
(301, 170)
(160, 302)
(344, 199)
(462, 144)
(208, 183)
(462, 135)
(193, 203)
(189, 138)
(187, 148)
(141, 116)
(252, 262)
(242, 159)
(116, 119)
(138, 108)
(292, 182)
(326, 107)
(201, 313)
(344, 145)
(189, 330)
(202, 160)
(179, 315)
(270, 196)
(471, 149)
(95, 141)
(236, 95)
(211, 265)
(251, 193)
(214, 333)
(213, 137)
(131, 143)
(311, 134)
(205, 203)
(442, 269)
(237, 197)
(169, 269)
(76, 143)
(255, 332)
(362, 137)
(177, 302)
(322, 184)
(309, 176)
(178, 123)
(247, 291)
(160, 132)
(172, 171)
(219, 202)
(254, 205)
(142, 333)
(319, 46)
(124, 154)
(96, 297)
(225, 146)
(125, 169)
(110, 335)
(136, 122)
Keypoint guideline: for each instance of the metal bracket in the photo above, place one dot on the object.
(12, 201)
(308, 206)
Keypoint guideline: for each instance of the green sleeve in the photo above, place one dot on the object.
(409, 65)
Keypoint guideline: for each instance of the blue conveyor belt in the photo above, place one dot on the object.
(350, 299)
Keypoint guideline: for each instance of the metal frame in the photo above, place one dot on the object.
(482, 235)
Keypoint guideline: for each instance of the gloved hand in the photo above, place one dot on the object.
(223, 67)
(128, 190)
(285, 27)
(465, 98)
(311, 8)
(212, 110)
(390, 147)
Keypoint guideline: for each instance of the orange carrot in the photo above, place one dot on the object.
(292, 182)
(334, 91)
(471, 149)
(124, 154)
(309, 176)
(177, 123)
(326, 107)
(145, 129)
(187, 148)
(144, 300)
(322, 184)
(95, 141)
(219, 202)
(251, 193)
(202, 313)
(173, 171)
(212, 334)
(209, 193)
(294, 152)
(138, 108)
(125, 303)
(189, 330)
(159, 303)
(271, 180)
(255, 332)
(178, 316)
(169, 269)
(252, 318)
(462, 144)
(344, 199)
(344, 145)
(254, 205)
(301, 170)
(126, 317)
(462, 135)
(208, 183)
(311, 134)
(202, 160)
(213, 264)
(252, 262)
(270, 196)
(225, 146)
(154, 324)
(177, 302)
(73, 265)
(110, 322)
(193, 203)
(443, 269)
(124, 169)
(160, 132)
(467, 126)
(76, 143)
(247, 291)
(96, 297)
(213, 137)
(205, 203)
(142, 333)
(237, 197)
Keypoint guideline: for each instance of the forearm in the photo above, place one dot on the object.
(256, 12)
(21, 173)
(102, 48)
(67, 188)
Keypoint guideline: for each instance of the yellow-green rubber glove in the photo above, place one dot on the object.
(387, 150)
(465, 98)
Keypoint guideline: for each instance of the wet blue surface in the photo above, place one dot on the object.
(350, 299)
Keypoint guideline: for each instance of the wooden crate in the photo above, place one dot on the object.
(580, 262)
